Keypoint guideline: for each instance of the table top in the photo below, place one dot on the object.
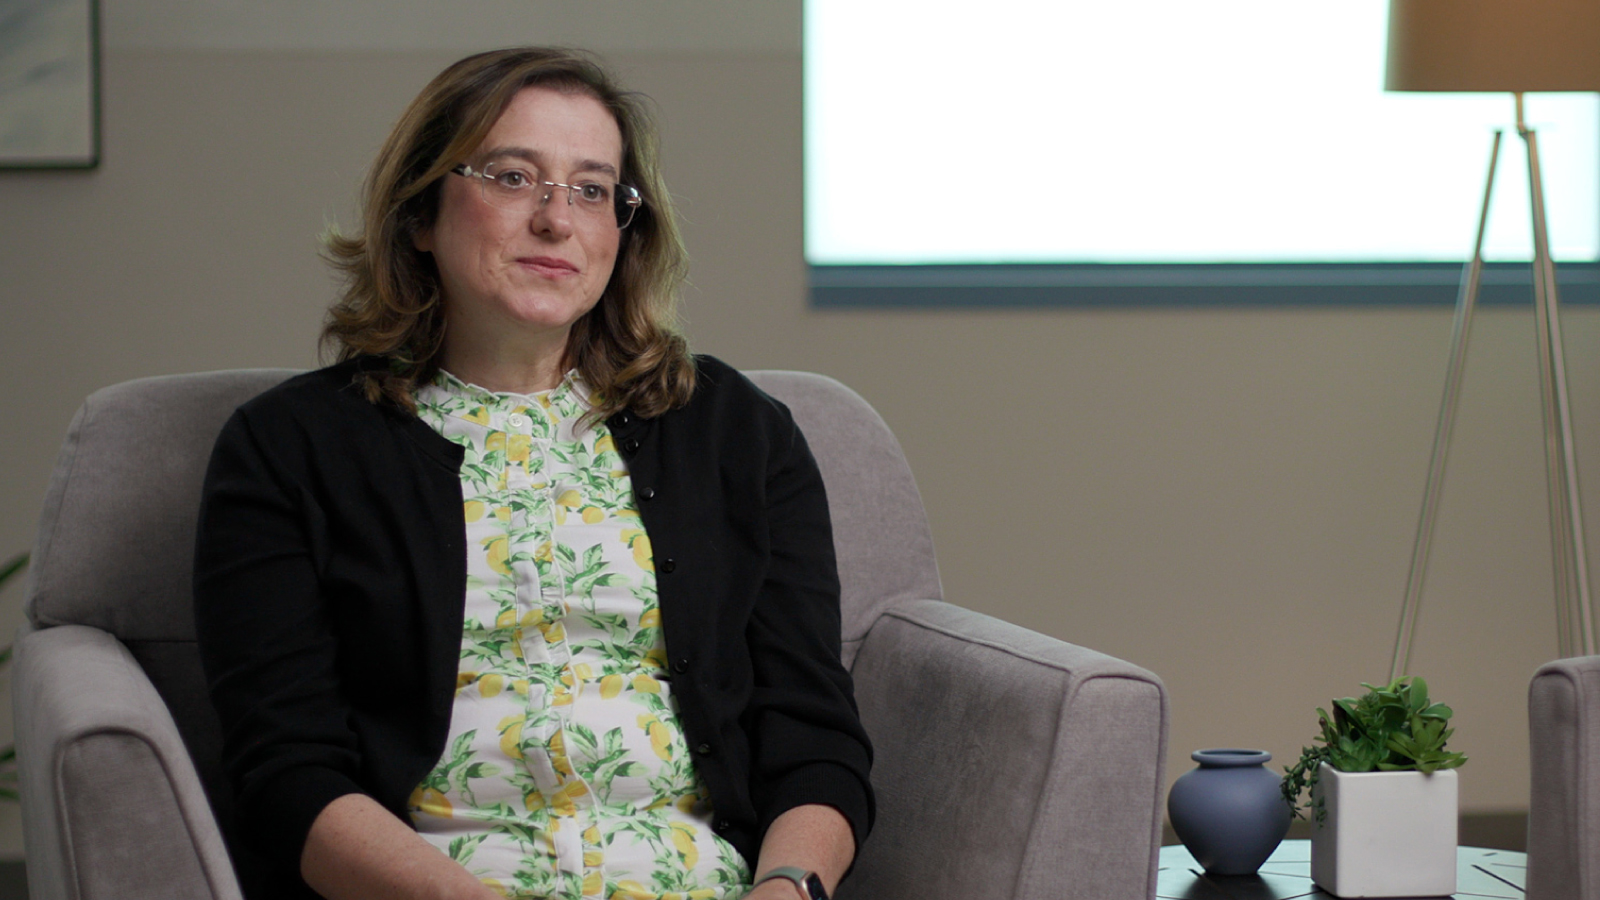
(1480, 873)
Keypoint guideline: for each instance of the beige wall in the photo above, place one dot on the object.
(1224, 496)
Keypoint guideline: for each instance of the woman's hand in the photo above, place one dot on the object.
(357, 850)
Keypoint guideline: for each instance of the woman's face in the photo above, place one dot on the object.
(529, 273)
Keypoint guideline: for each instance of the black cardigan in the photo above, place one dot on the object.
(329, 576)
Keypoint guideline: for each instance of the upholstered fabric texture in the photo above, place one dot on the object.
(1009, 764)
(116, 540)
(880, 531)
(1564, 764)
(112, 806)
(114, 553)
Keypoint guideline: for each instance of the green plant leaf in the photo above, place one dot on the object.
(1437, 711)
(12, 566)
(1391, 728)
(8, 753)
(1417, 696)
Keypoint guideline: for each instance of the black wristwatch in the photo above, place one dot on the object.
(809, 884)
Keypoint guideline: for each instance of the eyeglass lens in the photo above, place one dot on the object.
(515, 188)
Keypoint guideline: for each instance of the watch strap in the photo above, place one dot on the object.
(809, 884)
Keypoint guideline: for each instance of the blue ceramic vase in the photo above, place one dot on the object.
(1230, 812)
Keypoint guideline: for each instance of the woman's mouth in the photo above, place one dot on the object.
(548, 266)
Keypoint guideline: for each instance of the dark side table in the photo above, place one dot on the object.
(1287, 873)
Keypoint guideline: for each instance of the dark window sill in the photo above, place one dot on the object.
(1203, 286)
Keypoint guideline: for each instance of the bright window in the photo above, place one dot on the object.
(1160, 131)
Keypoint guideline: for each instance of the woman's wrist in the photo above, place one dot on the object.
(357, 849)
(806, 884)
(812, 839)
(776, 889)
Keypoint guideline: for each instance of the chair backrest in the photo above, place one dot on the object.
(115, 547)
(880, 531)
(116, 539)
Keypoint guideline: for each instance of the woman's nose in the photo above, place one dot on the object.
(553, 212)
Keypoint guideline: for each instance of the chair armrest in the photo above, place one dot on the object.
(1564, 769)
(1008, 763)
(112, 807)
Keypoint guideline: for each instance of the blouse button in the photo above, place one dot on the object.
(648, 493)
(668, 566)
(518, 421)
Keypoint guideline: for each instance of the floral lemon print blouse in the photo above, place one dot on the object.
(565, 774)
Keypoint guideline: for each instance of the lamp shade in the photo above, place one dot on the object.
(1494, 45)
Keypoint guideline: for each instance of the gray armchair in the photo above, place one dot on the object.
(1009, 764)
(1564, 769)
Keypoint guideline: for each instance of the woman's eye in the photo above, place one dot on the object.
(513, 178)
(593, 192)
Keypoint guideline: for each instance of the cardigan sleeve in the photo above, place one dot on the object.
(266, 642)
(807, 742)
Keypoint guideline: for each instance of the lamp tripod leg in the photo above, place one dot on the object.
(1460, 331)
(1574, 609)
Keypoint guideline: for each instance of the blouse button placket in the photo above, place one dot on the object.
(531, 486)
(536, 522)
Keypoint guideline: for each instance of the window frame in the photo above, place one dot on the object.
(1183, 285)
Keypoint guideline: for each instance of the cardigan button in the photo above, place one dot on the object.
(722, 825)
(668, 566)
(703, 749)
(630, 446)
(648, 493)
(680, 665)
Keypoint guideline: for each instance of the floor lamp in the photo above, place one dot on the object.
(1516, 46)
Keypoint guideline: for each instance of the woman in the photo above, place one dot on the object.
(519, 598)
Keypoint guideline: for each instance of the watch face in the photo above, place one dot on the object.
(813, 887)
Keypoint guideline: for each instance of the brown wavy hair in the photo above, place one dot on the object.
(629, 349)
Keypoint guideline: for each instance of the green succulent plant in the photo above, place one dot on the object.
(1393, 728)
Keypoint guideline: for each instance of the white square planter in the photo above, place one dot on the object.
(1386, 834)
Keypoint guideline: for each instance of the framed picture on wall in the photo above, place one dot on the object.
(49, 84)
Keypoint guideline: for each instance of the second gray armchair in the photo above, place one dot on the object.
(1564, 768)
